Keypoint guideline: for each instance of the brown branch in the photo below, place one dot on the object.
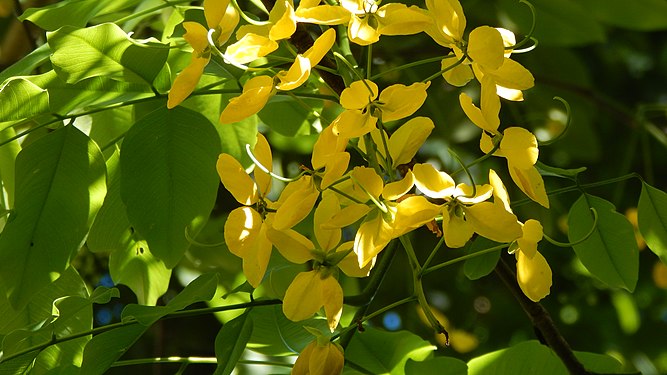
(541, 320)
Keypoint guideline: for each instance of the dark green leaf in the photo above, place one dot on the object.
(105, 349)
(290, 116)
(380, 352)
(529, 357)
(610, 253)
(437, 365)
(169, 156)
(599, 363)
(480, 266)
(18, 365)
(559, 22)
(104, 50)
(60, 185)
(642, 15)
(652, 219)
(231, 342)
(200, 289)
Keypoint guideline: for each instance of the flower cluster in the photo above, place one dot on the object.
(389, 195)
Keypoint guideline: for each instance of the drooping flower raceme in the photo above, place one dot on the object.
(221, 17)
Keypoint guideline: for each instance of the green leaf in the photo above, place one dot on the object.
(27, 64)
(610, 253)
(105, 349)
(60, 185)
(72, 12)
(480, 266)
(558, 22)
(200, 289)
(652, 219)
(547, 170)
(437, 365)
(381, 352)
(641, 15)
(18, 365)
(8, 154)
(15, 93)
(231, 342)
(169, 156)
(290, 116)
(600, 363)
(104, 50)
(529, 357)
(627, 311)
(273, 334)
(137, 268)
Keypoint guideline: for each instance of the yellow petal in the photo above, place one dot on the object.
(432, 182)
(187, 80)
(263, 155)
(214, 10)
(326, 360)
(476, 115)
(302, 363)
(412, 213)
(350, 264)
(450, 21)
(327, 144)
(320, 47)
(256, 93)
(531, 183)
(249, 48)
(464, 193)
(372, 237)
(291, 244)
(322, 14)
(366, 182)
(500, 195)
(360, 32)
(458, 76)
(399, 19)
(236, 180)
(297, 74)
(335, 168)
(513, 75)
(406, 140)
(332, 298)
(196, 35)
(397, 189)
(533, 275)
(532, 234)
(493, 222)
(486, 47)
(359, 94)
(283, 19)
(227, 25)
(400, 101)
(353, 124)
(303, 297)
(296, 206)
(519, 147)
(242, 229)
(327, 238)
(486, 145)
(347, 216)
(457, 231)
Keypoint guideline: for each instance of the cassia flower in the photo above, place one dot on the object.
(320, 357)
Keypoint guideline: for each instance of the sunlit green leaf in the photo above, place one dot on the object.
(381, 352)
(274, 334)
(169, 156)
(27, 64)
(72, 12)
(199, 290)
(529, 357)
(15, 93)
(610, 253)
(104, 50)
(60, 185)
(137, 268)
(437, 365)
(231, 342)
(652, 219)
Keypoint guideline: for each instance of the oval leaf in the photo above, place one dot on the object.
(652, 219)
(60, 186)
(610, 253)
(168, 178)
(230, 343)
(528, 357)
(482, 265)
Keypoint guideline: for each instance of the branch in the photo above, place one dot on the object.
(541, 320)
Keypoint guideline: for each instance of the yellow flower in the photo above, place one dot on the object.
(258, 90)
(245, 229)
(388, 213)
(363, 106)
(311, 290)
(465, 212)
(320, 359)
(532, 270)
(517, 145)
(449, 22)
(329, 153)
(223, 19)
